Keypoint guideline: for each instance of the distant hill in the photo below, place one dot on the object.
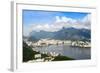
(42, 34)
(73, 34)
(63, 34)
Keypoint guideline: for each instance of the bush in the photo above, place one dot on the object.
(62, 58)
(28, 53)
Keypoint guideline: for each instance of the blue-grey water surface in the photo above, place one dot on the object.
(66, 50)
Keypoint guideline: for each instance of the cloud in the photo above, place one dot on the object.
(87, 18)
(87, 21)
(69, 22)
(59, 23)
(65, 19)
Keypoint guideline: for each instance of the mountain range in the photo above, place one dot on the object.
(63, 34)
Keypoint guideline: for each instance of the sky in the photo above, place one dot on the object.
(35, 20)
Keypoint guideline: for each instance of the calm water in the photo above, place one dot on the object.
(65, 50)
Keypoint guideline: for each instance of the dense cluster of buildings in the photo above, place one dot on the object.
(47, 42)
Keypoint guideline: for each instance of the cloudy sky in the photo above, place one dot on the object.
(53, 21)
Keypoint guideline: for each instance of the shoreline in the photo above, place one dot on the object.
(48, 42)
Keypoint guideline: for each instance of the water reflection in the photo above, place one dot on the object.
(66, 50)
